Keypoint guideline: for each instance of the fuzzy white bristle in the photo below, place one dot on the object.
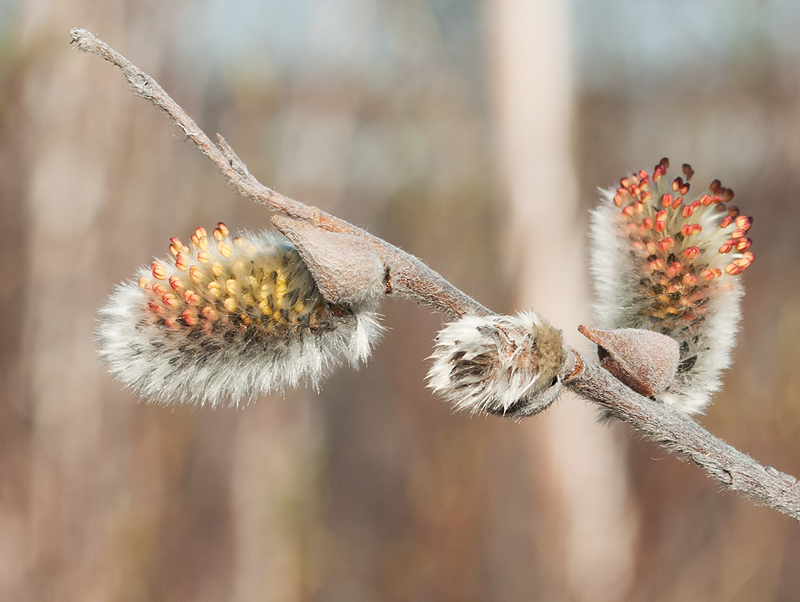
(506, 365)
(226, 320)
(667, 261)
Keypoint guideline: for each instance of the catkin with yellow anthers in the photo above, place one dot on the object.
(228, 321)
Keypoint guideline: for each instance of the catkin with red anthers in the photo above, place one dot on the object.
(665, 261)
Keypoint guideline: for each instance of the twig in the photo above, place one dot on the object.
(683, 437)
(407, 276)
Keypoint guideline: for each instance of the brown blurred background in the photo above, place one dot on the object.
(471, 133)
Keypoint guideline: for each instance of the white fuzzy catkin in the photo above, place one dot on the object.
(228, 319)
(506, 365)
(665, 262)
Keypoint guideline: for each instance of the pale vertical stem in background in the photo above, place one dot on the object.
(545, 246)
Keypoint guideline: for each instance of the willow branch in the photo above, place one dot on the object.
(681, 436)
(406, 276)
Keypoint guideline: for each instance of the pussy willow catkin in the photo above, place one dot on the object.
(665, 261)
(226, 319)
(506, 365)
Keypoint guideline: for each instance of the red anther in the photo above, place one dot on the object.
(159, 289)
(628, 211)
(637, 244)
(617, 202)
(170, 300)
(647, 223)
(705, 200)
(727, 246)
(657, 264)
(689, 280)
(172, 324)
(737, 234)
(677, 183)
(677, 202)
(144, 282)
(209, 313)
(749, 256)
(625, 183)
(726, 222)
(685, 188)
(743, 222)
(691, 252)
(666, 244)
(639, 207)
(733, 269)
(651, 248)
(182, 261)
(687, 230)
(743, 244)
(635, 190)
(643, 175)
(646, 196)
(660, 226)
(189, 317)
(742, 262)
(176, 283)
(689, 210)
(191, 297)
(674, 269)
(159, 271)
(711, 273)
(666, 200)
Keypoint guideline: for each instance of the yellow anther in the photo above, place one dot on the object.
(224, 249)
(215, 289)
(231, 286)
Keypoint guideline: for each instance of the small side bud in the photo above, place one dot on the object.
(511, 366)
(644, 360)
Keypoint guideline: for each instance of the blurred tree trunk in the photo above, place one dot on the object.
(579, 465)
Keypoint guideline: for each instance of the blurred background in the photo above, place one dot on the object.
(472, 133)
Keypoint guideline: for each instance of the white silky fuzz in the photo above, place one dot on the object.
(506, 365)
(227, 319)
(667, 261)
